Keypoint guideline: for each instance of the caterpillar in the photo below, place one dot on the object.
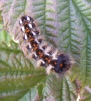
(40, 51)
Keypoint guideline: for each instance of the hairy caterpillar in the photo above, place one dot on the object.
(40, 51)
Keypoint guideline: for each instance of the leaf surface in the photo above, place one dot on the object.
(66, 24)
(17, 74)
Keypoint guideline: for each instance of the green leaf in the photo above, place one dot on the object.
(4, 36)
(17, 75)
(59, 89)
(55, 89)
(86, 94)
(66, 24)
(31, 95)
(1, 20)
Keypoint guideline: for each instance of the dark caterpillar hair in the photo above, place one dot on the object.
(40, 51)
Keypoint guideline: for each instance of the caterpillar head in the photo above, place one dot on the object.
(25, 19)
(63, 63)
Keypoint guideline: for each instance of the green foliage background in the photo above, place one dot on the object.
(66, 24)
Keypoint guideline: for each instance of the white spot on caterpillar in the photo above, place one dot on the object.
(48, 49)
(25, 37)
(48, 69)
(20, 22)
(33, 33)
(39, 62)
(28, 18)
(37, 41)
(23, 29)
(31, 55)
(29, 46)
(42, 45)
(30, 25)
(41, 48)
(54, 55)
(35, 54)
